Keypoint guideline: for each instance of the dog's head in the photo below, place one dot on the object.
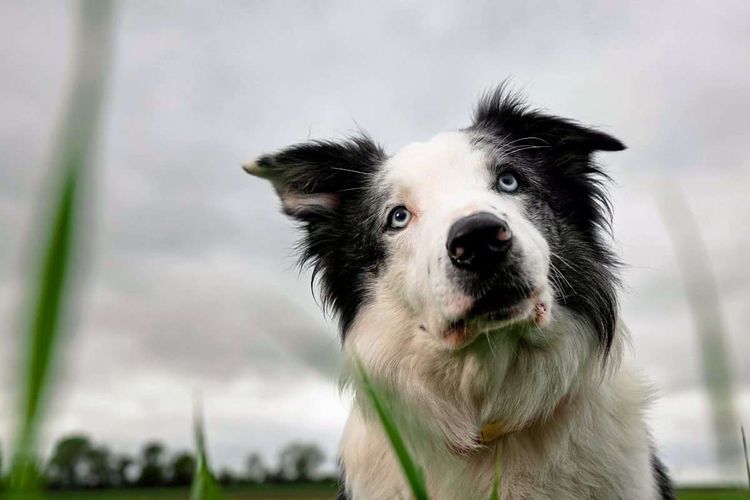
(473, 231)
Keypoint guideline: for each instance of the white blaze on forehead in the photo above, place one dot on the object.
(446, 166)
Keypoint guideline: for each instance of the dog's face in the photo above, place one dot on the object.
(475, 230)
(464, 233)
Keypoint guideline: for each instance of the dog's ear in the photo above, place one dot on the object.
(505, 113)
(323, 185)
(566, 135)
(312, 178)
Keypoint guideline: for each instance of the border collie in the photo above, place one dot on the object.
(472, 278)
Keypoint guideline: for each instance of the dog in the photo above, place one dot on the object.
(472, 280)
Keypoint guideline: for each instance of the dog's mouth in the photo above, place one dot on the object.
(490, 314)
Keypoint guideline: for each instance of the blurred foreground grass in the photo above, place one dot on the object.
(312, 492)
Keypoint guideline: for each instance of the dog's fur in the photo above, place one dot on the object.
(533, 345)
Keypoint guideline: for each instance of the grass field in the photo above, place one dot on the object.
(706, 494)
(275, 492)
(316, 492)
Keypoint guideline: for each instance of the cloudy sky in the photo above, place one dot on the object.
(191, 284)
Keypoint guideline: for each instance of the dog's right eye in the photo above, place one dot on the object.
(399, 217)
(507, 182)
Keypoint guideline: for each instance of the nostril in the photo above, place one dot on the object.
(497, 241)
(503, 234)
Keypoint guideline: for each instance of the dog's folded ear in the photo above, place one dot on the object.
(505, 114)
(313, 178)
(565, 134)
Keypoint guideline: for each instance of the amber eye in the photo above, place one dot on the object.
(399, 217)
(507, 183)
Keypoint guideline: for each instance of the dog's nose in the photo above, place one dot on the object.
(478, 241)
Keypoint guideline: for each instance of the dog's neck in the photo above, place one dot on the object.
(492, 431)
(510, 384)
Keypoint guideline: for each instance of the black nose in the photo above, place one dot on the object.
(478, 241)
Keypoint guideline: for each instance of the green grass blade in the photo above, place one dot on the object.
(747, 462)
(205, 486)
(498, 473)
(411, 470)
(48, 302)
(43, 331)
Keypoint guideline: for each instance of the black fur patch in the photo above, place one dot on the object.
(341, 494)
(340, 243)
(663, 483)
(565, 195)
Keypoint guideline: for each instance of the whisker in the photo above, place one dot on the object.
(521, 148)
(567, 263)
(527, 138)
(366, 174)
(489, 343)
(506, 145)
(558, 276)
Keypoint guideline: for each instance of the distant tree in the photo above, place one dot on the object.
(152, 466)
(299, 461)
(121, 465)
(69, 461)
(255, 469)
(226, 477)
(181, 469)
(98, 467)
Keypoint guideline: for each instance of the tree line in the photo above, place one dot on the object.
(77, 462)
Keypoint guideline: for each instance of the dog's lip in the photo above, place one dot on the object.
(503, 313)
(463, 330)
(487, 309)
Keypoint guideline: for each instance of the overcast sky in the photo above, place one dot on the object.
(192, 284)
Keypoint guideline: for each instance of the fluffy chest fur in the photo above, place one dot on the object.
(570, 458)
(581, 433)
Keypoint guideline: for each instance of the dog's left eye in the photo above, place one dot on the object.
(507, 183)
(399, 217)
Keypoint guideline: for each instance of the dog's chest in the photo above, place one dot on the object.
(528, 472)
(571, 457)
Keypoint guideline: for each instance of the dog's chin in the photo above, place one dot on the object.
(487, 315)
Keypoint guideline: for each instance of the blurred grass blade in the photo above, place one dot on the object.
(704, 299)
(498, 474)
(747, 461)
(50, 296)
(44, 329)
(413, 473)
(205, 486)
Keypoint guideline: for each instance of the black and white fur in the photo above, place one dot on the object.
(531, 338)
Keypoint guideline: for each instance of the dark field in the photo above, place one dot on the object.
(706, 494)
(275, 492)
(314, 493)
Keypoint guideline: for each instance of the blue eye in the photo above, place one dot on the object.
(507, 183)
(399, 217)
